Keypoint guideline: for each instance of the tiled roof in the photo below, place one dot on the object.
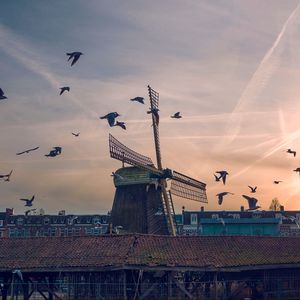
(130, 251)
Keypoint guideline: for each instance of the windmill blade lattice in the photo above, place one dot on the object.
(120, 152)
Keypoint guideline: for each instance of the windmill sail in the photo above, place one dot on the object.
(121, 152)
(187, 187)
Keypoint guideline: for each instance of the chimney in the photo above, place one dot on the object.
(183, 208)
(281, 208)
(242, 208)
(202, 208)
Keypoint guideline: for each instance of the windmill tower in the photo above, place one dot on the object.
(142, 202)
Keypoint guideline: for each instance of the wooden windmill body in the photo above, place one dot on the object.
(142, 203)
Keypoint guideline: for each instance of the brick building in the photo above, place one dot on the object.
(52, 225)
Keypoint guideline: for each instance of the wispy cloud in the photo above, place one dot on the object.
(259, 79)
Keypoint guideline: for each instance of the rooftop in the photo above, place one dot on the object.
(148, 251)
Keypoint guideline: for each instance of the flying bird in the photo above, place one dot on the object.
(75, 56)
(138, 99)
(253, 189)
(251, 202)
(63, 89)
(111, 118)
(57, 151)
(28, 201)
(154, 112)
(223, 175)
(2, 97)
(277, 181)
(176, 115)
(76, 134)
(27, 151)
(297, 170)
(117, 176)
(292, 152)
(221, 195)
(121, 124)
(6, 177)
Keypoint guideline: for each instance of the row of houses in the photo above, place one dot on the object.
(257, 223)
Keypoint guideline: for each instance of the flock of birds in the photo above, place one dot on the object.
(112, 122)
(112, 116)
(57, 150)
(252, 202)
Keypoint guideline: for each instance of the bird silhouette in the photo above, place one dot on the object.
(27, 151)
(176, 115)
(221, 196)
(6, 177)
(292, 152)
(297, 170)
(63, 89)
(138, 99)
(28, 201)
(121, 124)
(111, 118)
(2, 97)
(57, 151)
(223, 175)
(75, 56)
(253, 189)
(154, 111)
(76, 134)
(277, 181)
(251, 202)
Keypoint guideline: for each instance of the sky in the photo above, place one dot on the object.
(231, 67)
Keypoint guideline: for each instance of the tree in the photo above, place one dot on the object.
(275, 205)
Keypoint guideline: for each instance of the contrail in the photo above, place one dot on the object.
(258, 80)
(286, 141)
(13, 46)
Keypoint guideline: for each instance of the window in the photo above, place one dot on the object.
(1, 223)
(11, 232)
(19, 221)
(194, 219)
(52, 231)
(1, 234)
(46, 221)
(215, 216)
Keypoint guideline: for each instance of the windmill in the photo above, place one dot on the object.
(142, 202)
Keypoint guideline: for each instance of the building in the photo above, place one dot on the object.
(150, 267)
(52, 225)
(261, 223)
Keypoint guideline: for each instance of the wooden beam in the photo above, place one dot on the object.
(183, 289)
(147, 292)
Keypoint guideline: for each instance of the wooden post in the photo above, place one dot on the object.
(50, 293)
(170, 285)
(25, 288)
(216, 285)
(124, 286)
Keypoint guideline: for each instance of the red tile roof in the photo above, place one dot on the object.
(132, 251)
